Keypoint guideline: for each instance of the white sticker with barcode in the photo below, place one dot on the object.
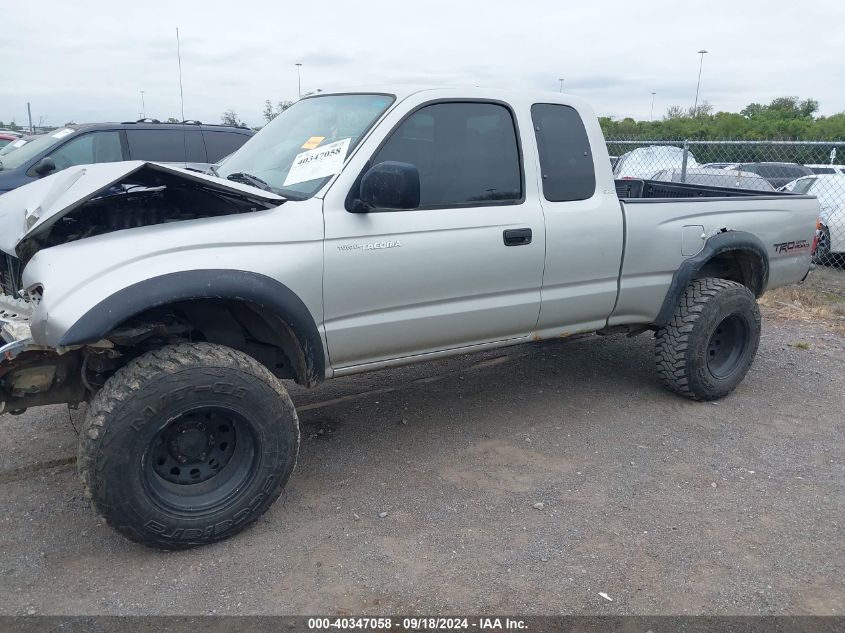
(317, 163)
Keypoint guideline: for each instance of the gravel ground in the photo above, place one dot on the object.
(524, 480)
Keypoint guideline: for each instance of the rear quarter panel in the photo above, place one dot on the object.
(658, 233)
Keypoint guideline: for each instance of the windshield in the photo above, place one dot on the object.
(306, 144)
(25, 153)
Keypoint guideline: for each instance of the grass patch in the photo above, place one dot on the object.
(820, 298)
(801, 345)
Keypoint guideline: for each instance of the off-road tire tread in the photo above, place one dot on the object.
(672, 339)
(127, 382)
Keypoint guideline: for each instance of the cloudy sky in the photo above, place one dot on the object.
(88, 61)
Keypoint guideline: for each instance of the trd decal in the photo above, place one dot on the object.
(788, 247)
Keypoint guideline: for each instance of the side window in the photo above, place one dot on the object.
(221, 144)
(94, 147)
(566, 161)
(173, 145)
(466, 153)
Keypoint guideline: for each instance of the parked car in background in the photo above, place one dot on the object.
(644, 162)
(191, 145)
(715, 178)
(820, 170)
(778, 174)
(830, 234)
(5, 139)
(15, 144)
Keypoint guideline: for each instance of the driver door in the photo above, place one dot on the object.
(444, 275)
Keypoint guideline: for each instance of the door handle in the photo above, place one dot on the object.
(517, 237)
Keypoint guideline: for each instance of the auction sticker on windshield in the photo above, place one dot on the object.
(317, 163)
(313, 142)
(63, 133)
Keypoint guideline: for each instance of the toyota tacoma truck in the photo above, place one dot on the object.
(356, 231)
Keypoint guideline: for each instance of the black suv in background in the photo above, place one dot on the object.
(188, 144)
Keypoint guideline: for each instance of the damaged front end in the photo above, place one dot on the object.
(82, 202)
(75, 204)
(29, 372)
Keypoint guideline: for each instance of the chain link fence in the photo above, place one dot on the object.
(802, 167)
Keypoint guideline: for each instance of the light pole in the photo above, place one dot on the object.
(299, 79)
(651, 112)
(702, 52)
(143, 107)
(561, 84)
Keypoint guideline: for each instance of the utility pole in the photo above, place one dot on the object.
(561, 84)
(143, 107)
(299, 78)
(702, 52)
(651, 112)
(29, 113)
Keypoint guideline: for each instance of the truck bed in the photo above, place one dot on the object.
(632, 189)
(667, 222)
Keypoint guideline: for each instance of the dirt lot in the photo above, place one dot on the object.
(667, 506)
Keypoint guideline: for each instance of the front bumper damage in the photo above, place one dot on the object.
(15, 334)
(33, 375)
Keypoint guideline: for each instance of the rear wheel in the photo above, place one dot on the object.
(709, 344)
(188, 445)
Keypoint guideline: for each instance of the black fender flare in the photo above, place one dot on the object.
(252, 288)
(715, 245)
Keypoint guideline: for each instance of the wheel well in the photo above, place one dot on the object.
(741, 266)
(241, 325)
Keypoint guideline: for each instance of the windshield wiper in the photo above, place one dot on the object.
(249, 179)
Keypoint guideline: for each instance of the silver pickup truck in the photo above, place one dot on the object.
(356, 231)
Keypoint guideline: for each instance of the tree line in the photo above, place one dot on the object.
(784, 119)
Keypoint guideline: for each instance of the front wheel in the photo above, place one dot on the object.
(708, 345)
(188, 445)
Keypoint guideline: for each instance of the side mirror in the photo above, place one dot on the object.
(45, 166)
(389, 185)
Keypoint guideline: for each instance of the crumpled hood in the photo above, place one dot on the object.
(36, 206)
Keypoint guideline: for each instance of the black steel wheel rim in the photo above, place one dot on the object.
(727, 346)
(200, 459)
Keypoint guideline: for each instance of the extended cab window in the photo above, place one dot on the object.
(466, 153)
(565, 157)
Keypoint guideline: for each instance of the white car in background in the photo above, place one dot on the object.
(830, 190)
(644, 162)
(715, 178)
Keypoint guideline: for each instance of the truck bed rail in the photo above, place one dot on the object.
(632, 189)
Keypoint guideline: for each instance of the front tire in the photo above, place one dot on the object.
(187, 445)
(708, 345)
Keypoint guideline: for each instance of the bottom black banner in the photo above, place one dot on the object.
(563, 624)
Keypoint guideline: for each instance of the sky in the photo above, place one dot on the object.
(89, 60)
